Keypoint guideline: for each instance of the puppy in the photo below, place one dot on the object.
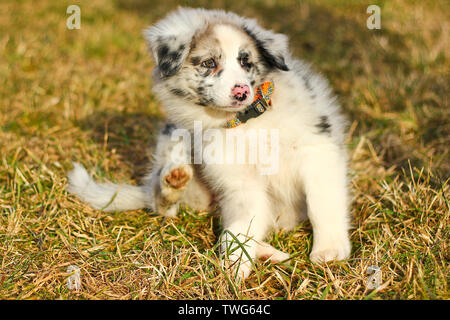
(219, 75)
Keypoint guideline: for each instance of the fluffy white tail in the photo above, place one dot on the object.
(107, 196)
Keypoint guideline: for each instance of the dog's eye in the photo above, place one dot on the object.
(244, 63)
(210, 64)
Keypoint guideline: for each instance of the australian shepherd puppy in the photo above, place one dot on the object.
(219, 75)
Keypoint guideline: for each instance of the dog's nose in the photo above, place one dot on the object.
(240, 92)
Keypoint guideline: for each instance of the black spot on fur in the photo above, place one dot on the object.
(271, 61)
(243, 58)
(170, 61)
(162, 51)
(324, 125)
(204, 101)
(207, 73)
(219, 73)
(168, 128)
(201, 72)
(243, 55)
(202, 95)
(307, 82)
(179, 92)
(195, 61)
(308, 86)
(168, 69)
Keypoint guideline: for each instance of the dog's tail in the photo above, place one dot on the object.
(107, 196)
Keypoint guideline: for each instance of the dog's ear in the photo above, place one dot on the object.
(273, 47)
(170, 39)
(169, 51)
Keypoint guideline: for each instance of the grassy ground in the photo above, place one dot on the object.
(84, 95)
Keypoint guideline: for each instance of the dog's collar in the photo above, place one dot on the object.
(259, 105)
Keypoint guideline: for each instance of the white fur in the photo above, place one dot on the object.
(106, 196)
(312, 177)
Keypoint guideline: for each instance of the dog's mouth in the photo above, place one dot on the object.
(235, 107)
(232, 104)
(238, 105)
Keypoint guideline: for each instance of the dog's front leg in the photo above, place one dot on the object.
(246, 219)
(324, 174)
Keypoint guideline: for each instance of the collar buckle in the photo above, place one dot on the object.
(260, 105)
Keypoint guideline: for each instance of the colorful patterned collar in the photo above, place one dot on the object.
(259, 105)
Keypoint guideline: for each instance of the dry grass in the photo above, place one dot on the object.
(84, 95)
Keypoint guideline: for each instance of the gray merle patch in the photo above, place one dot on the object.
(168, 128)
(324, 125)
(169, 61)
(270, 60)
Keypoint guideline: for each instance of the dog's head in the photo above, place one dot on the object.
(213, 58)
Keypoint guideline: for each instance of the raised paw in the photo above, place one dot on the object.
(178, 176)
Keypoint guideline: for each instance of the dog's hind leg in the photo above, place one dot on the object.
(161, 188)
(168, 187)
(170, 182)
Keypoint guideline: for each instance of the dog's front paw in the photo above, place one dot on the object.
(238, 268)
(265, 252)
(237, 257)
(330, 250)
(177, 176)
